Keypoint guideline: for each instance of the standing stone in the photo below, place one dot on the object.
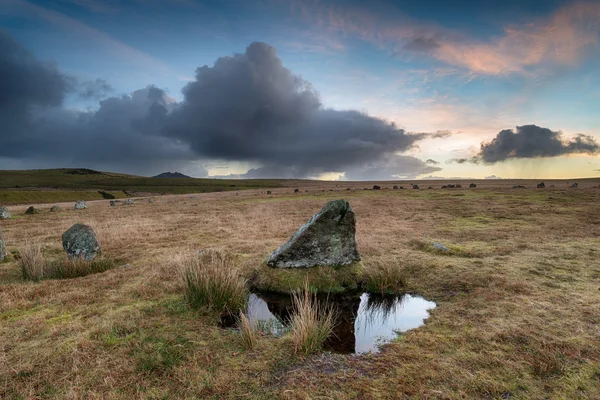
(55, 208)
(376, 187)
(327, 239)
(2, 248)
(395, 187)
(472, 186)
(32, 210)
(80, 205)
(79, 241)
(113, 203)
(268, 192)
(415, 186)
(541, 185)
(296, 190)
(4, 213)
(129, 202)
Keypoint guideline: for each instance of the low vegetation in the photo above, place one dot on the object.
(311, 323)
(249, 331)
(35, 267)
(383, 277)
(213, 282)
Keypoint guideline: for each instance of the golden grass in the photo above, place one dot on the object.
(518, 320)
(384, 277)
(31, 261)
(213, 282)
(311, 323)
(249, 332)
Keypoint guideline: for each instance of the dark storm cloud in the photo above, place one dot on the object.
(390, 167)
(432, 161)
(250, 108)
(531, 141)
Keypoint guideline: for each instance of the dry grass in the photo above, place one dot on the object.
(311, 323)
(518, 320)
(33, 265)
(213, 282)
(384, 277)
(249, 331)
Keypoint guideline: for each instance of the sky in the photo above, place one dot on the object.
(346, 90)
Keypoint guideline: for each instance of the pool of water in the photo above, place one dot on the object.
(364, 322)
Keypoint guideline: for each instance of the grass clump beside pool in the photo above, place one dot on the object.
(311, 323)
(212, 281)
(35, 267)
(384, 278)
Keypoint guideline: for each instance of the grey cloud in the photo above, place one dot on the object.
(531, 141)
(94, 90)
(473, 160)
(391, 167)
(421, 44)
(492, 177)
(432, 161)
(440, 134)
(250, 108)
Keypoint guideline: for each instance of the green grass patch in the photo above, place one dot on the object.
(319, 279)
(157, 354)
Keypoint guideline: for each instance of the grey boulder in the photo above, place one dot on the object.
(55, 208)
(80, 205)
(327, 239)
(2, 248)
(4, 213)
(80, 241)
(129, 202)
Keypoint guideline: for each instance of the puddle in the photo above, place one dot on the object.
(365, 321)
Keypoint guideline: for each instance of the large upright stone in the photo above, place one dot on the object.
(4, 213)
(80, 205)
(327, 239)
(79, 241)
(2, 247)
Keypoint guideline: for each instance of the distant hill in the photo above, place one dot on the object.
(171, 175)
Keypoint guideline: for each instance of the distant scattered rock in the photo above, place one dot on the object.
(152, 200)
(415, 186)
(472, 186)
(129, 202)
(430, 187)
(80, 241)
(348, 189)
(541, 185)
(395, 187)
(296, 190)
(32, 210)
(113, 203)
(401, 187)
(518, 187)
(171, 175)
(80, 205)
(327, 239)
(55, 208)
(552, 186)
(459, 186)
(440, 246)
(376, 187)
(574, 186)
(4, 213)
(2, 248)
(268, 192)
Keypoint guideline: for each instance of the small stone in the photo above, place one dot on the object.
(395, 187)
(113, 203)
(459, 186)
(4, 213)
(541, 185)
(32, 210)
(296, 190)
(268, 192)
(80, 241)
(440, 246)
(152, 201)
(129, 202)
(327, 239)
(375, 187)
(80, 205)
(574, 186)
(472, 186)
(415, 186)
(55, 208)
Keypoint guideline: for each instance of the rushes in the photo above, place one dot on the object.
(384, 278)
(248, 331)
(312, 322)
(33, 265)
(213, 282)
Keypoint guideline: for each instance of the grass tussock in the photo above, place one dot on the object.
(384, 278)
(212, 281)
(312, 322)
(249, 331)
(35, 267)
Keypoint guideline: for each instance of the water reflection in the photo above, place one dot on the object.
(364, 321)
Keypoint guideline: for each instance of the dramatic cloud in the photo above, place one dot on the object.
(531, 141)
(392, 167)
(247, 108)
(432, 161)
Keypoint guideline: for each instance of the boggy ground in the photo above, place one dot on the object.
(518, 312)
